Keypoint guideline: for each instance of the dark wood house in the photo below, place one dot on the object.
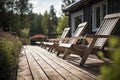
(92, 11)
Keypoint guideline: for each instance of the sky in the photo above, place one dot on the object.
(40, 6)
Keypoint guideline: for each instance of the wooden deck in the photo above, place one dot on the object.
(38, 64)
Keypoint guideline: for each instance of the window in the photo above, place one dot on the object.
(76, 19)
(99, 10)
(97, 17)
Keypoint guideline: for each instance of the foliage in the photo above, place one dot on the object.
(24, 37)
(16, 16)
(62, 23)
(24, 33)
(13, 15)
(22, 6)
(112, 71)
(36, 24)
(53, 20)
(46, 22)
(10, 48)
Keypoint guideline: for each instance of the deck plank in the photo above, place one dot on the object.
(42, 65)
(49, 71)
(74, 70)
(61, 70)
(23, 69)
(37, 72)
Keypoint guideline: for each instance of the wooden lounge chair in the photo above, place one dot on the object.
(78, 32)
(57, 40)
(64, 34)
(98, 40)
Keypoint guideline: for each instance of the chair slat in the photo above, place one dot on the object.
(66, 30)
(106, 29)
(78, 32)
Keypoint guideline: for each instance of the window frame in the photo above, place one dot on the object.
(100, 4)
(73, 16)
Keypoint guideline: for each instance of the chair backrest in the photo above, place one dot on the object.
(106, 27)
(65, 32)
(77, 32)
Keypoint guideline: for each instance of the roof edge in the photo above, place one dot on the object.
(75, 4)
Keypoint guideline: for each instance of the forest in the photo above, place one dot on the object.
(18, 18)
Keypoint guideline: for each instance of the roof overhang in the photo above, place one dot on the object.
(77, 4)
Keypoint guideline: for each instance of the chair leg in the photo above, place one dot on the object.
(58, 53)
(66, 53)
(81, 55)
(45, 46)
(85, 56)
(49, 49)
(87, 52)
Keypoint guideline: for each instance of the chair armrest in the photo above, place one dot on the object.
(97, 36)
(53, 40)
(80, 37)
(58, 39)
(89, 37)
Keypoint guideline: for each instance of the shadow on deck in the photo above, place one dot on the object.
(38, 64)
(92, 65)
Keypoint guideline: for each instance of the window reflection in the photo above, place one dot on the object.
(78, 20)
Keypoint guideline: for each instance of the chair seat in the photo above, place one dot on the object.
(48, 43)
(65, 45)
(37, 42)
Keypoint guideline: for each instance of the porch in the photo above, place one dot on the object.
(38, 64)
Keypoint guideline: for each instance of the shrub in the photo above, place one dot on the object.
(10, 48)
(112, 71)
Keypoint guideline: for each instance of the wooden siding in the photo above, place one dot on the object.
(113, 7)
(87, 17)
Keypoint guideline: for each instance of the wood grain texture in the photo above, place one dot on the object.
(41, 65)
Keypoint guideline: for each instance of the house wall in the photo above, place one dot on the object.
(88, 17)
(112, 5)
(70, 14)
